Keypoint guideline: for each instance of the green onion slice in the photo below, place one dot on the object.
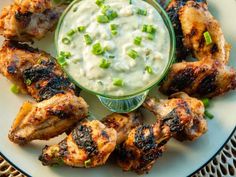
(71, 33)
(138, 40)
(141, 12)
(97, 49)
(104, 63)
(61, 60)
(149, 69)
(100, 2)
(65, 54)
(102, 19)
(207, 37)
(66, 40)
(208, 115)
(28, 82)
(88, 40)
(118, 82)
(87, 163)
(81, 28)
(15, 89)
(132, 53)
(206, 102)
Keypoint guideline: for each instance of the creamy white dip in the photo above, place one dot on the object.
(126, 64)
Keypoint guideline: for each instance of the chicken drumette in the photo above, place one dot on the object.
(205, 78)
(34, 71)
(91, 142)
(25, 20)
(48, 118)
(88, 145)
(143, 146)
(183, 114)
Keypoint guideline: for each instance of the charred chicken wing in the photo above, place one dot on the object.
(25, 20)
(206, 78)
(123, 123)
(34, 71)
(143, 146)
(88, 145)
(48, 118)
(183, 114)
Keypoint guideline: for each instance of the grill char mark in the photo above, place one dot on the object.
(83, 138)
(208, 84)
(181, 80)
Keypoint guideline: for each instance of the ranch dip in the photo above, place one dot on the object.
(113, 47)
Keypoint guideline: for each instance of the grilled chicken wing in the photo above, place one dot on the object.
(143, 146)
(88, 145)
(191, 19)
(206, 78)
(195, 20)
(123, 123)
(34, 71)
(48, 118)
(183, 114)
(25, 20)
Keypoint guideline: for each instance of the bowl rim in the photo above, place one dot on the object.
(171, 59)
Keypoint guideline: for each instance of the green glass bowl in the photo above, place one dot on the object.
(126, 103)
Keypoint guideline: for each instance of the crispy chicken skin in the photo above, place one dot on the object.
(206, 78)
(47, 119)
(195, 20)
(143, 146)
(123, 123)
(25, 20)
(191, 19)
(34, 71)
(88, 145)
(183, 114)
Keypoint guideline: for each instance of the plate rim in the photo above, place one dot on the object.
(204, 164)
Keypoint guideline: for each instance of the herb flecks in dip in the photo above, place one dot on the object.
(114, 47)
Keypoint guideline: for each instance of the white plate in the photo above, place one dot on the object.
(181, 159)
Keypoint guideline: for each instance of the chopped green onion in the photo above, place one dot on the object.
(208, 115)
(65, 54)
(87, 163)
(206, 102)
(109, 13)
(102, 19)
(141, 12)
(113, 26)
(207, 37)
(71, 33)
(88, 40)
(114, 32)
(149, 69)
(28, 82)
(81, 28)
(144, 28)
(97, 49)
(15, 89)
(61, 60)
(104, 63)
(100, 2)
(151, 36)
(132, 53)
(150, 29)
(137, 40)
(66, 40)
(118, 82)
